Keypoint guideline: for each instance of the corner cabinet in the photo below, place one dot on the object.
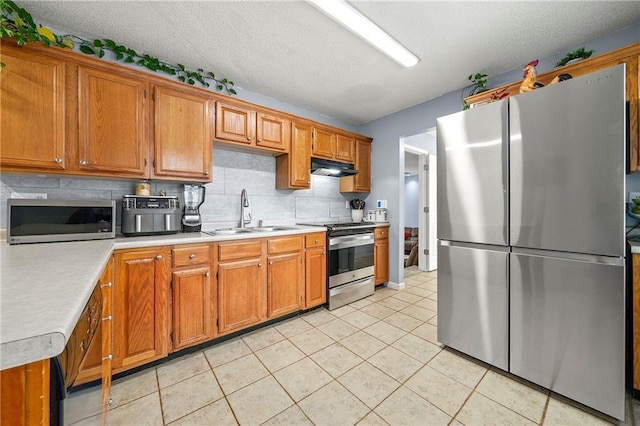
(141, 308)
(360, 182)
(32, 110)
(381, 255)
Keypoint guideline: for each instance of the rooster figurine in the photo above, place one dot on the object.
(529, 83)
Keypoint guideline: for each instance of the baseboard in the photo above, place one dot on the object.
(395, 286)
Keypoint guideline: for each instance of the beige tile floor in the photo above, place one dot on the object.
(374, 362)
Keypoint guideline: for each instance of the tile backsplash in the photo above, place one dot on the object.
(232, 172)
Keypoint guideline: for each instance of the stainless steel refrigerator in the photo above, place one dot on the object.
(531, 229)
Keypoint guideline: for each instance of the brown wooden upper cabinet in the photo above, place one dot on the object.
(345, 146)
(360, 182)
(112, 123)
(67, 113)
(182, 133)
(241, 124)
(328, 144)
(32, 110)
(323, 143)
(293, 169)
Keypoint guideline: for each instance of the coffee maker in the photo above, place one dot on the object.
(193, 199)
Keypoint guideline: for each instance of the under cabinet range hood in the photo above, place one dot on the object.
(323, 167)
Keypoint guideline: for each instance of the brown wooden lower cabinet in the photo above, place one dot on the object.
(315, 270)
(241, 285)
(141, 310)
(24, 394)
(192, 299)
(381, 255)
(285, 282)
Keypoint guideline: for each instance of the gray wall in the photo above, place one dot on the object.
(387, 157)
(232, 171)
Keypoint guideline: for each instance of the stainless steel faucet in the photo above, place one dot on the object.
(244, 203)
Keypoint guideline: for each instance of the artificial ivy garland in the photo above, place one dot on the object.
(17, 23)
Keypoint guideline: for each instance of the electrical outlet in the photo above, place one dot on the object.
(346, 204)
(30, 195)
(633, 195)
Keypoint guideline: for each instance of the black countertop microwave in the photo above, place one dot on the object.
(41, 221)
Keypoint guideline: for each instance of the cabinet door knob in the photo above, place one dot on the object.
(83, 162)
(108, 357)
(207, 274)
(159, 257)
(259, 139)
(192, 256)
(58, 160)
(259, 265)
(248, 138)
(109, 318)
(108, 285)
(316, 241)
(206, 173)
(271, 262)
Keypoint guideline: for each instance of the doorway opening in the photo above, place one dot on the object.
(420, 226)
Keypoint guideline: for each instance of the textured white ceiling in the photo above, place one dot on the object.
(290, 51)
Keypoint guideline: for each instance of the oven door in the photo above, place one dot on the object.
(350, 258)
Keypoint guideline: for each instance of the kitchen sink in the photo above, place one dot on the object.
(270, 228)
(228, 231)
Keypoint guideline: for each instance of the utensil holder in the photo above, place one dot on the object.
(356, 215)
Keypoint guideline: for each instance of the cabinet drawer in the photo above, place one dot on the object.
(191, 255)
(314, 240)
(284, 244)
(239, 250)
(381, 233)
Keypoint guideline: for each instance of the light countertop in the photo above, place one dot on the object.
(45, 287)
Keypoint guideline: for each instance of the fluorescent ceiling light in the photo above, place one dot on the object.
(344, 13)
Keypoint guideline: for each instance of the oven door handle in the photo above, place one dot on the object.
(336, 243)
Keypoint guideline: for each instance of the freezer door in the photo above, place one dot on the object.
(567, 165)
(567, 328)
(472, 301)
(472, 175)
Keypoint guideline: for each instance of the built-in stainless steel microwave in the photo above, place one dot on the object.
(41, 221)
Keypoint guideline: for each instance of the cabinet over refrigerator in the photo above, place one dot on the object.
(531, 229)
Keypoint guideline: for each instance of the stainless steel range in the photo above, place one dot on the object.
(350, 262)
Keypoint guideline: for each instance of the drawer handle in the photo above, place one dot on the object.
(159, 257)
(107, 285)
(108, 357)
(108, 318)
(192, 256)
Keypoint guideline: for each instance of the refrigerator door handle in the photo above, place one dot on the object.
(489, 247)
(578, 257)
